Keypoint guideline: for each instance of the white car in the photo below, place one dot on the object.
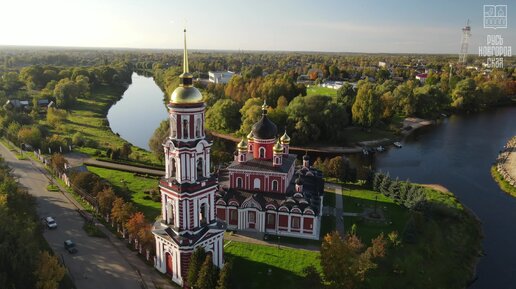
(51, 223)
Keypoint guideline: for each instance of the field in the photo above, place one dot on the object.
(318, 90)
(253, 263)
(136, 186)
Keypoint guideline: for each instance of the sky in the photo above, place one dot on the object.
(377, 26)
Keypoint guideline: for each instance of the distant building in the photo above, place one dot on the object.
(17, 104)
(220, 76)
(422, 77)
(382, 64)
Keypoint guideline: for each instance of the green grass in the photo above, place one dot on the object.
(502, 183)
(21, 157)
(88, 116)
(136, 186)
(7, 144)
(93, 231)
(356, 200)
(318, 90)
(52, 188)
(254, 262)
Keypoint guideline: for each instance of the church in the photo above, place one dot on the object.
(188, 189)
(263, 191)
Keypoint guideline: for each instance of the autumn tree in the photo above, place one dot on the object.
(58, 163)
(49, 272)
(30, 135)
(105, 199)
(117, 214)
(134, 224)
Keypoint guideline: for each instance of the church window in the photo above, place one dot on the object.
(271, 219)
(295, 222)
(200, 168)
(262, 152)
(185, 128)
(173, 127)
(274, 185)
(252, 217)
(172, 168)
(257, 184)
(170, 214)
(203, 214)
(198, 128)
(239, 182)
(233, 215)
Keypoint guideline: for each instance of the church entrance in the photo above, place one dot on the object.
(251, 217)
(169, 263)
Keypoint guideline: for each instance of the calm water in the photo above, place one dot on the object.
(458, 154)
(139, 112)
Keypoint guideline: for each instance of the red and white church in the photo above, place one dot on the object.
(257, 192)
(188, 189)
(262, 190)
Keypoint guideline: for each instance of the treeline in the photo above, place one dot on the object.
(24, 261)
(202, 274)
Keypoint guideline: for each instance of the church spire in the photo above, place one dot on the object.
(185, 55)
(185, 79)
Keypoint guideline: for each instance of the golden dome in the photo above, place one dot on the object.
(250, 136)
(242, 145)
(278, 148)
(285, 139)
(186, 94)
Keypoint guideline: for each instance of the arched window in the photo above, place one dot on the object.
(173, 127)
(170, 214)
(203, 214)
(239, 182)
(262, 152)
(256, 184)
(185, 128)
(200, 170)
(274, 185)
(198, 128)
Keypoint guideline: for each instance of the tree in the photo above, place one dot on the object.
(465, 96)
(135, 223)
(251, 112)
(158, 137)
(49, 272)
(55, 116)
(78, 139)
(125, 151)
(117, 211)
(226, 276)
(66, 92)
(58, 163)
(105, 199)
(196, 261)
(207, 278)
(90, 183)
(223, 116)
(31, 136)
(312, 278)
(366, 109)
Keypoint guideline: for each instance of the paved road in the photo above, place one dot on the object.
(97, 265)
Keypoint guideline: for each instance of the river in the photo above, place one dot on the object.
(139, 112)
(456, 153)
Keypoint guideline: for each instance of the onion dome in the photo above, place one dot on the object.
(242, 145)
(278, 148)
(186, 93)
(306, 157)
(250, 136)
(285, 139)
(299, 180)
(264, 128)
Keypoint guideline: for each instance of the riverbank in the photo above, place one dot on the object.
(504, 170)
(362, 138)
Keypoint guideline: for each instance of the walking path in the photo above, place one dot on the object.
(77, 159)
(257, 238)
(506, 162)
(339, 207)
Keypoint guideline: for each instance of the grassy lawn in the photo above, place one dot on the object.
(136, 187)
(504, 185)
(88, 116)
(318, 90)
(356, 200)
(285, 265)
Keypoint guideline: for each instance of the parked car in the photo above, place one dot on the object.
(51, 223)
(69, 246)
